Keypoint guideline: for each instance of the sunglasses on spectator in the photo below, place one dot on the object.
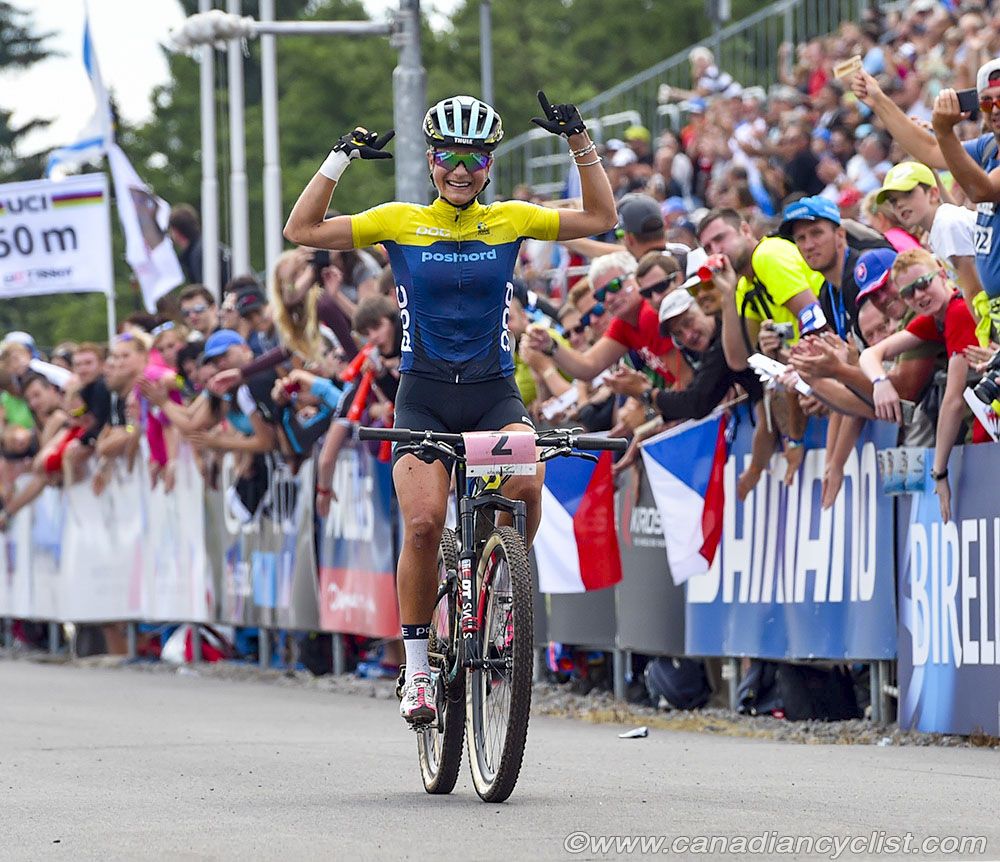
(195, 309)
(659, 287)
(449, 160)
(612, 287)
(596, 311)
(922, 283)
(989, 104)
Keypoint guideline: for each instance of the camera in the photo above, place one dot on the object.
(987, 389)
(785, 331)
(320, 261)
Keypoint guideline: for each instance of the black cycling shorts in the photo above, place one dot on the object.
(433, 405)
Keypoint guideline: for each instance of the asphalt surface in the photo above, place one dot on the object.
(115, 764)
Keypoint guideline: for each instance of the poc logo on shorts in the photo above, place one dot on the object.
(458, 256)
(432, 231)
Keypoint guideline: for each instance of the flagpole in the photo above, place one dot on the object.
(209, 178)
(109, 294)
(272, 163)
(239, 204)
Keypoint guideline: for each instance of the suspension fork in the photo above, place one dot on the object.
(467, 567)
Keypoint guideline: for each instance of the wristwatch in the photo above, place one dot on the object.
(551, 349)
(647, 396)
(937, 477)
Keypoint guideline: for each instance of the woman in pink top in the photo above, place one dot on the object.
(881, 218)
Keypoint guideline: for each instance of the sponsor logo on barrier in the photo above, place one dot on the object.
(458, 256)
(354, 517)
(782, 547)
(949, 621)
(645, 527)
(339, 599)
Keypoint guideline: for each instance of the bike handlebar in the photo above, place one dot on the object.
(577, 441)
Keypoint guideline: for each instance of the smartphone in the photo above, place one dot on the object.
(968, 102)
(320, 261)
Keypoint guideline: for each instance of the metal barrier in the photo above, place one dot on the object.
(746, 49)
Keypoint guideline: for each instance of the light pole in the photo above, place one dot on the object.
(239, 204)
(486, 63)
(209, 178)
(215, 27)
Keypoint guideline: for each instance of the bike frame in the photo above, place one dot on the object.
(472, 599)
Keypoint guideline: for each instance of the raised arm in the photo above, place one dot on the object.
(307, 223)
(598, 213)
(981, 187)
(910, 136)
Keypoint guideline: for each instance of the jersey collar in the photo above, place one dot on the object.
(449, 210)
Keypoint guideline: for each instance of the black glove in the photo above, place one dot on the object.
(362, 144)
(562, 120)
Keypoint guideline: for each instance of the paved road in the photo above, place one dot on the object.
(112, 764)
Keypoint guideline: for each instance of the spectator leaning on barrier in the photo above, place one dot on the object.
(942, 317)
(88, 361)
(773, 282)
(198, 309)
(912, 191)
(813, 224)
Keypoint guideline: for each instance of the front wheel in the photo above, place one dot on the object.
(499, 696)
(439, 746)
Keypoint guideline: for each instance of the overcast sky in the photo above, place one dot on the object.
(126, 34)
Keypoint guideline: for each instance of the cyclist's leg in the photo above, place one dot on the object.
(422, 493)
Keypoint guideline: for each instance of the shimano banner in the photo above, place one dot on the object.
(790, 579)
(357, 559)
(949, 602)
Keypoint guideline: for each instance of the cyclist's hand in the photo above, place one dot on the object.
(562, 120)
(362, 144)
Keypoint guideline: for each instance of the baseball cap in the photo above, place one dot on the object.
(904, 177)
(673, 205)
(17, 336)
(808, 209)
(849, 197)
(623, 157)
(695, 260)
(639, 214)
(673, 305)
(249, 300)
(220, 341)
(637, 133)
(987, 75)
(872, 270)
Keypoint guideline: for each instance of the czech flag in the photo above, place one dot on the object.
(576, 547)
(685, 467)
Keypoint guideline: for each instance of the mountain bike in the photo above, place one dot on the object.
(482, 630)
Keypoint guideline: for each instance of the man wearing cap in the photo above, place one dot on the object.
(682, 320)
(813, 224)
(252, 410)
(973, 164)
(251, 305)
(638, 140)
(911, 188)
(640, 220)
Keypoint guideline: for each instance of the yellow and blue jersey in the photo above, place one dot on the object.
(453, 270)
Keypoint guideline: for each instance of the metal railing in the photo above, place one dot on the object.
(747, 50)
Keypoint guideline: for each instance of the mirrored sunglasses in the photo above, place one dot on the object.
(449, 160)
(595, 312)
(922, 283)
(612, 287)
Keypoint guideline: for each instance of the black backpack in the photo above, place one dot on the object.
(681, 681)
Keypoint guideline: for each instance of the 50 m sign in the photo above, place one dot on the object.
(55, 237)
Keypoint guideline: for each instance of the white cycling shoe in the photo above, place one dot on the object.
(417, 704)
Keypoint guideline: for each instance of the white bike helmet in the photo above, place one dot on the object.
(465, 121)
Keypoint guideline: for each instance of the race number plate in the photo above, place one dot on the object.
(507, 453)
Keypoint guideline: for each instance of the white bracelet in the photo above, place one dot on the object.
(596, 161)
(336, 163)
(579, 154)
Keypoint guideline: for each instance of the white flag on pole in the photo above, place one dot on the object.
(98, 133)
(144, 216)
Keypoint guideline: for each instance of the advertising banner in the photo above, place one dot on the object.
(55, 237)
(357, 554)
(949, 601)
(793, 580)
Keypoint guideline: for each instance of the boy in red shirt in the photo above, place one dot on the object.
(943, 318)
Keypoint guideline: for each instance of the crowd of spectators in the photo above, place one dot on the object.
(835, 225)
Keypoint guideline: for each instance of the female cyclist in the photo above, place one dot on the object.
(453, 264)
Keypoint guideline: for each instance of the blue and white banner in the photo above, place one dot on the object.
(949, 601)
(790, 579)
